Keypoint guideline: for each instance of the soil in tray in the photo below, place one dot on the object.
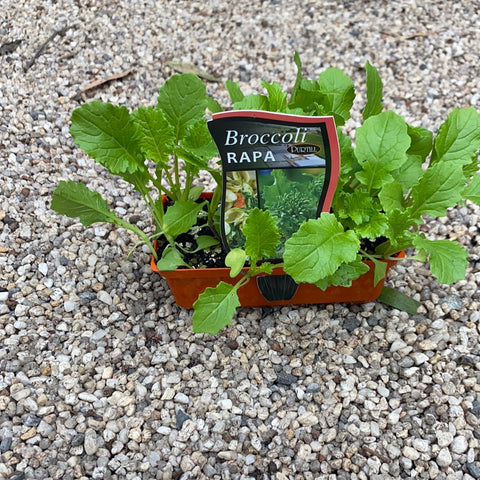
(213, 257)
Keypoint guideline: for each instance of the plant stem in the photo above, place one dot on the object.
(212, 208)
(368, 255)
(169, 177)
(243, 281)
(140, 233)
(353, 183)
(408, 198)
(384, 257)
(156, 213)
(188, 184)
(211, 225)
(161, 188)
(177, 176)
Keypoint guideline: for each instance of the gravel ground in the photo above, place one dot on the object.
(100, 373)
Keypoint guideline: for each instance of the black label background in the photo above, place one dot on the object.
(301, 131)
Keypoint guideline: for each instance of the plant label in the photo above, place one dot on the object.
(286, 164)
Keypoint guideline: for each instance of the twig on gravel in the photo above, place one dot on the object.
(102, 81)
(410, 36)
(370, 452)
(182, 67)
(417, 34)
(44, 45)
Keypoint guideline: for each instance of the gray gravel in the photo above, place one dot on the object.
(100, 374)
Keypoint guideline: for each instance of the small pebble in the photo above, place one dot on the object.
(5, 444)
(444, 439)
(90, 442)
(105, 297)
(43, 268)
(411, 453)
(181, 418)
(459, 445)
(286, 378)
(181, 398)
(69, 306)
(473, 470)
(444, 458)
(307, 419)
(454, 302)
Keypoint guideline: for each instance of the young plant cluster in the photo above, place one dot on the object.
(159, 151)
(393, 176)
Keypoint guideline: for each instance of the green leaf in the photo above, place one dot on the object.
(338, 94)
(391, 197)
(318, 248)
(235, 260)
(261, 235)
(381, 146)
(183, 100)
(472, 191)
(357, 205)
(180, 217)
(298, 79)
(458, 138)
(438, 189)
(197, 146)
(409, 173)
(374, 176)
(421, 141)
(252, 102)
(374, 92)
(398, 300)
(171, 260)
(195, 192)
(234, 91)
(277, 98)
(398, 233)
(296, 111)
(217, 176)
(108, 134)
(156, 134)
(204, 242)
(376, 226)
(213, 105)
(448, 259)
(307, 95)
(215, 308)
(380, 270)
(394, 246)
(471, 169)
(265, 267)
(345, 275)
(348, 158)
(279, 187)
(77, 200)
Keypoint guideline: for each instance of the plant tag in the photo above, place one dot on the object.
(286, 164)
